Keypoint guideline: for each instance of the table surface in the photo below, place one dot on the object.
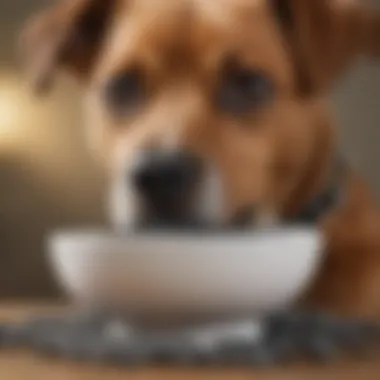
(21, 365)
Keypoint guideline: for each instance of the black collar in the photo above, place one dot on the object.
(326, 201)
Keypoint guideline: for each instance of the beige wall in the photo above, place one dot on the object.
(47, 179)
(357, 107)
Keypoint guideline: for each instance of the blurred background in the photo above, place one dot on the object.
(48, 181)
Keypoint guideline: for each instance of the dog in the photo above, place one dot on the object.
(214, 113)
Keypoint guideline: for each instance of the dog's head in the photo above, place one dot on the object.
(206, 110)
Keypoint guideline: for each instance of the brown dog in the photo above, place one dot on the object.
(214, 111)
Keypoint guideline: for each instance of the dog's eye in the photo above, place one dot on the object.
(125, 93)
(242, 91)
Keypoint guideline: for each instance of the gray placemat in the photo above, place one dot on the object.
(276, 339)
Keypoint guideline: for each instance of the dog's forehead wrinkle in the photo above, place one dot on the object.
(144, 29)
(189, 27)
(170, 14)
(190, 6)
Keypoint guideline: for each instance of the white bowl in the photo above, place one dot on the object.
(171, 273)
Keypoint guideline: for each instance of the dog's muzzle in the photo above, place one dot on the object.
(176, 190)
(165, 183)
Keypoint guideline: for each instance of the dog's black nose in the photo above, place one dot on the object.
(166, 181)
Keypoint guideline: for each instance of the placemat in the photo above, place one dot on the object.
(278, 338)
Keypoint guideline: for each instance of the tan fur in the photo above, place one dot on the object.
(279, 157)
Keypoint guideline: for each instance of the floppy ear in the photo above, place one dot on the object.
(68, 35)
(325, 36)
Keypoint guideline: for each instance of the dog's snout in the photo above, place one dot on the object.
(165, 180)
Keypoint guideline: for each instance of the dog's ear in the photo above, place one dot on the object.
(68, 35)
(326, 35)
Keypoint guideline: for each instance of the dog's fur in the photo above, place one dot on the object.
(278, 157)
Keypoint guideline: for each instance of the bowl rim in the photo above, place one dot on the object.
(120, 236)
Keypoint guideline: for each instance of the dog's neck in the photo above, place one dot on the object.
(324, 201)
(318, 190)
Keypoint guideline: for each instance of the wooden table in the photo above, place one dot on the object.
(20, 366)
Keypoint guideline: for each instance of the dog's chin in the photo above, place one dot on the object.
(182, 224)
(240, 221)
